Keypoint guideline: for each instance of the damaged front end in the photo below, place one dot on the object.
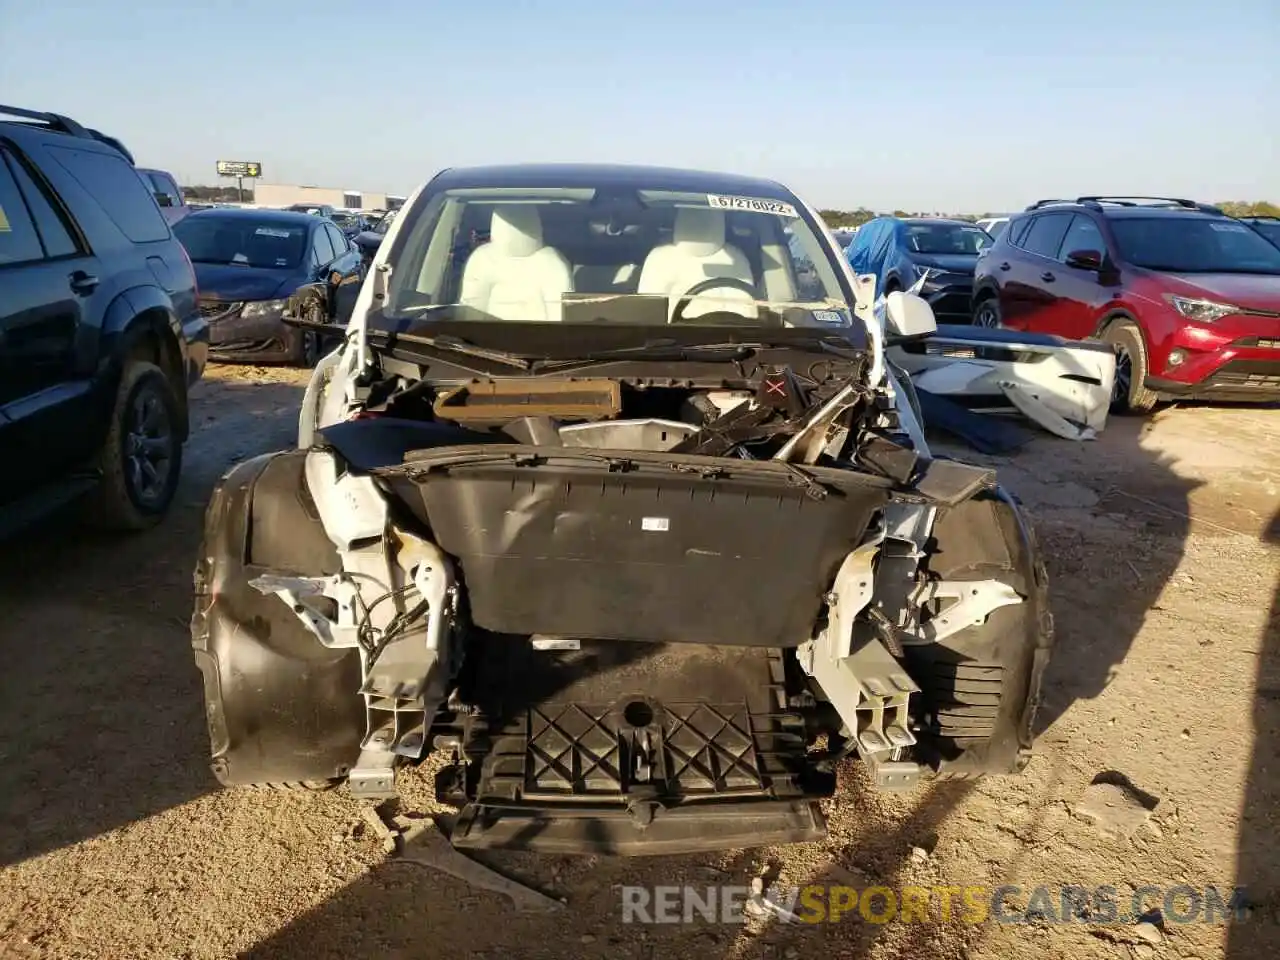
(628, 632)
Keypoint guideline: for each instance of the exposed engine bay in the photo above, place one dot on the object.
(763, 534)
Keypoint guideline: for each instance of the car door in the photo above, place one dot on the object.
(345, 274)
(1081, 295)
(1029, 296)
(43, 271)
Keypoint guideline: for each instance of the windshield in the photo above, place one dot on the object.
(1193, 245)
(345, 220)
(241, 240)
(1269, 229)
(613, 255)
(944, 238)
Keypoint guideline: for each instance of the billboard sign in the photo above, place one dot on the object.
(239, 168)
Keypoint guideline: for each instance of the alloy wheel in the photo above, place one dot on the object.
(148, 447)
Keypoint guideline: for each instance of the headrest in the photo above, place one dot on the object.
(516, 230)
(699, 229)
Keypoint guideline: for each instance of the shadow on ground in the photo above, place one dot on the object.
(1101, 593)
(1258, 857)
(101, 717)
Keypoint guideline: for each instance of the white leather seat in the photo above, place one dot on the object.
(513, 276)
(698, 252)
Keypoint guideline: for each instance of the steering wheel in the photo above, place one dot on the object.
(714, 283)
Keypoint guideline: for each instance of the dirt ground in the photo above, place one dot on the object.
(1163, 544)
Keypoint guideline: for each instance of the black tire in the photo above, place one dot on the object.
(986, 313)
(1129, 395)
(980, 687)
(308, 352)
(140, 460)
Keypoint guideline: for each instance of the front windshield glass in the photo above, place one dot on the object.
(944, 238)
(1269, 229)
(244, 241)
(613, 254)
(344, 220)
(1193, 245)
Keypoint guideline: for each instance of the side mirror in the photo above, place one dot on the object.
(368, 243)
(908, 316)
(1085, 259)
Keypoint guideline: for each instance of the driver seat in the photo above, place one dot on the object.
(698, 252)
(513, 276)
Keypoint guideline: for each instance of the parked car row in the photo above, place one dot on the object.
(1187, 296)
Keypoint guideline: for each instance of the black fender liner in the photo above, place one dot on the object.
(280, 706)
(981, 686)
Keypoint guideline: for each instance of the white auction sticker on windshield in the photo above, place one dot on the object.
(827, 316)
(1229, 227)
(752, 205)
(273, 232)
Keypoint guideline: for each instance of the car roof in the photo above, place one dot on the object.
(627, 176)
(938, 220)
(281, 217)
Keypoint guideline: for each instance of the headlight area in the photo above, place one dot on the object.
(928, 274)
(1201, 311)
(258, 309)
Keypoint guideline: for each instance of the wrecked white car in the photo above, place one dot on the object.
(609, 498)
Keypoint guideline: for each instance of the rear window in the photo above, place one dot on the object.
(1194, 245)
(118, 189)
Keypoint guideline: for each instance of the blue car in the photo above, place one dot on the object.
(901, 251)
(254, 267)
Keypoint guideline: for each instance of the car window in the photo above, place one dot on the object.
(1046, 233)
(19, 242)
(1018, 230)
(57, 239)
(246, 241)
(1083, 234)
(997, 228)
(118, 189)
(336, 238)
(321, 248)
(945, 238)
(613, 253)
(1194, 245)
(169, 194)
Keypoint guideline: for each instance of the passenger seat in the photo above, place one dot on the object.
(514, 276)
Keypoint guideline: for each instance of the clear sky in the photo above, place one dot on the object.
(959, 106)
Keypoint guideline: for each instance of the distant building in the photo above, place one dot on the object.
(286, 194)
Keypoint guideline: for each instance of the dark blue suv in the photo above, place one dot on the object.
(900, 251)
(100, 334)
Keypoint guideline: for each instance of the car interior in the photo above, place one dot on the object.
(656, 263)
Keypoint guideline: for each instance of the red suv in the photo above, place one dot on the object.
(1188, 297)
